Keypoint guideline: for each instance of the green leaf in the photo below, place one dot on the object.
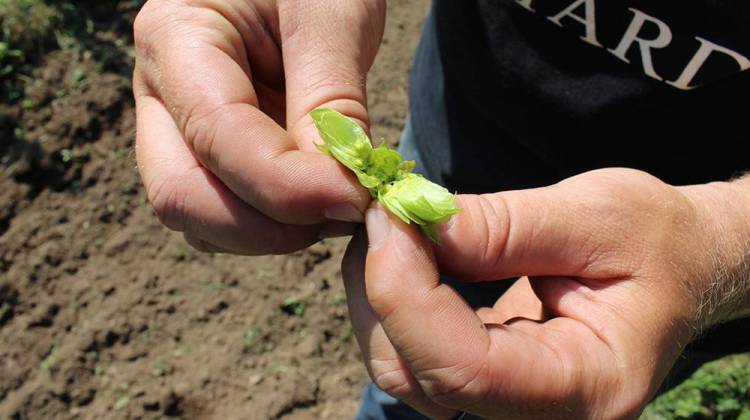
(122, 402)
(294, 306)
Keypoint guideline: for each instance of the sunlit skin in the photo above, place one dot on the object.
(624, 266)
(227, 151)
(617, 262)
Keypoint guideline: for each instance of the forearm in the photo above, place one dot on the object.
(725, 207)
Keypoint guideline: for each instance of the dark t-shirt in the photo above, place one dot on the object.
(509, 94)
(534, 91)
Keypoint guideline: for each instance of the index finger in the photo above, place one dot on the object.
(193, 59)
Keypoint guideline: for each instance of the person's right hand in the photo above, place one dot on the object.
(224, 142)
(626, 268)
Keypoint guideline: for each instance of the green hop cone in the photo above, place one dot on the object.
(416, 199)
(385, 174)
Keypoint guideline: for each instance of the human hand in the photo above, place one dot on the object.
(624, 265)
(224, 144)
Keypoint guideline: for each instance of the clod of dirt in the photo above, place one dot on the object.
(8, 301)
(166, 402)
(43, 315)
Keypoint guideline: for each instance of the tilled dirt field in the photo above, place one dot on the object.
(104, 313)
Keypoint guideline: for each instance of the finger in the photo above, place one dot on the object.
(328, 49)
(517, 302)
(189, 198)
(539, 232)
(520, 301)
(193, 58)
(386, 368)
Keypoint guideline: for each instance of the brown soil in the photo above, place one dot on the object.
(104, 313)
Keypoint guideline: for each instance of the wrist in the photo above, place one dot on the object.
(723, 244)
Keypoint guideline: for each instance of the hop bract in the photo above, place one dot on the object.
(418, 200)
(385, 174)
(343, 138)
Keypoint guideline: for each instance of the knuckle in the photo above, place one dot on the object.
(142, 24)
(488, 223)
(496, 214)
(383, 297)
(147, 21)
(151, 31)
(394, 382)
(168, 199)
(454, 387)
(161, 25)
(200, 130)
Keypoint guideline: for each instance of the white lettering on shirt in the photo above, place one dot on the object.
(589, 21)
(707, 47)
(646, 46)
(526, 4)
(631, 36)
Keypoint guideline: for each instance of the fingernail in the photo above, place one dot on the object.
(344, 213)
(378, 226)
(447, 226)
(336, 230)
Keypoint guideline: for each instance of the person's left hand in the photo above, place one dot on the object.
(619, 260)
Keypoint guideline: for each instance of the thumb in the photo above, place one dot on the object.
(328, 48)
(440, 338)
(538, 232)
(457, 360)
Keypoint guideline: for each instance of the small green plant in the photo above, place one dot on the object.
(27, 28)
(250, 335)
(181, 351)
(100, 372)
(9, 59)
(719, 390)
(28, 24)
(160, 368)
(5, 309)
(216, 286)
(294, 306)
(339, 298)
(49, 362)
(122, 402)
